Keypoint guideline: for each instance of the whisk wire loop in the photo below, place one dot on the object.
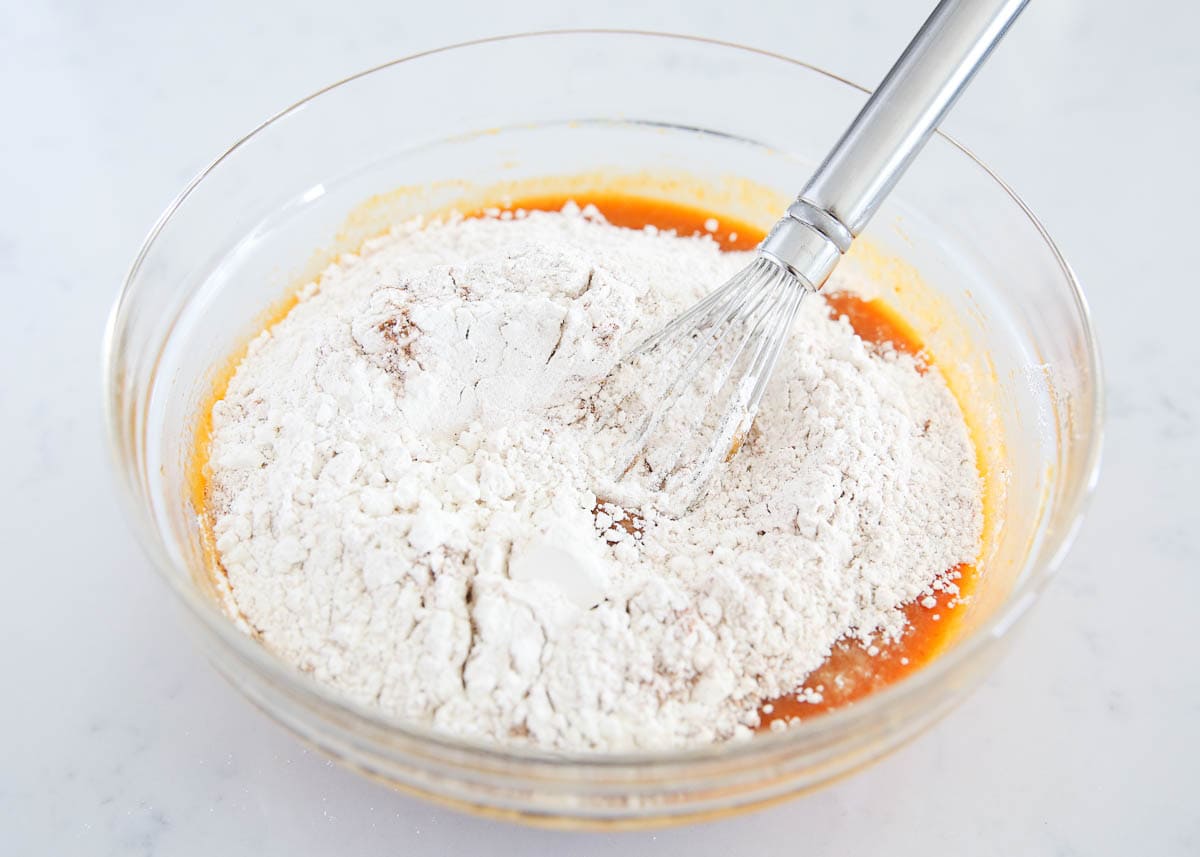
(718, 353)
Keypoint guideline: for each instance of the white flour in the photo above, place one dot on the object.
(406, 480)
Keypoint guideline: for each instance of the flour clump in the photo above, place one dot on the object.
(411, 502)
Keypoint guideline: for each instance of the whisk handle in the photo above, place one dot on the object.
(888, 132)
(913, 99)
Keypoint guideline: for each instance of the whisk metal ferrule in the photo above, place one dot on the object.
(808, 242)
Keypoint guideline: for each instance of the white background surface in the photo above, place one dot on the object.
(116, 737)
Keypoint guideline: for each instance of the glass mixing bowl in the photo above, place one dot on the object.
(996, 301)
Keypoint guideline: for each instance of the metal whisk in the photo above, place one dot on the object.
(699, 380)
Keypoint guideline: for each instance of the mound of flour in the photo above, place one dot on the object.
(411, 503)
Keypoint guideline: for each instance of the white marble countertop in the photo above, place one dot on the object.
(117, 738)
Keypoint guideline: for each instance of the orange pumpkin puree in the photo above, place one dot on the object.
(852, 671)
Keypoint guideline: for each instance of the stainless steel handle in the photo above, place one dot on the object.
(887, 134)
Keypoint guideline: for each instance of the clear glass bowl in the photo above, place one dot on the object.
(1006, 319)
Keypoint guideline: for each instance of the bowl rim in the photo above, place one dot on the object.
(832, 723)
